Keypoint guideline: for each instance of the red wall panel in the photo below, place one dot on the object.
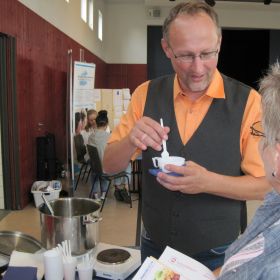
(126, 75)
(41, 82)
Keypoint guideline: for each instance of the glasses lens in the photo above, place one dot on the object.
(208, 55)
(186, 58)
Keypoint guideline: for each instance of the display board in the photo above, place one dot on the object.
(85, 97)
(115, 101)
(83, 90)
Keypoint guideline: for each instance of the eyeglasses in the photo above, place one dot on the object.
(189, 58)
(256, 129)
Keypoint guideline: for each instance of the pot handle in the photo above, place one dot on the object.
(91, 220)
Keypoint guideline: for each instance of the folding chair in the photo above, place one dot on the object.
(81, 151)
(97, 171)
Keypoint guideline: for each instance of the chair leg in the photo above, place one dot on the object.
(103, 202)
(85, 171)
(88, 174)
(94, 180)
(81, 169)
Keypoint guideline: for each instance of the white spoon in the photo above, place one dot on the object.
(164, 153)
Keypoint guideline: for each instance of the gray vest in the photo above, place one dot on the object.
(194, 223)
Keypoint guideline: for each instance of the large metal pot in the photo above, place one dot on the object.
(75, 219)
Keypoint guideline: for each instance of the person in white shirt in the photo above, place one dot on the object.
(99, 140)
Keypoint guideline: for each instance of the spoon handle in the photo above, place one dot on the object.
(164, 145)
(163, 141)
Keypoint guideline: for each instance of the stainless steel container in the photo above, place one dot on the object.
(75, 219)
(16, 240)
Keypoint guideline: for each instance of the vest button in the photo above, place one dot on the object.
(174, 232)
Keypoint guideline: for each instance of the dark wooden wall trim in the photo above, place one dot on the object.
(42, 82)
(8, 118)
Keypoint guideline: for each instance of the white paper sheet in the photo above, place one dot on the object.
(174, 265)
(117, 97)
(126, 94)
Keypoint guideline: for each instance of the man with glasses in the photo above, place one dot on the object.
(207, 118)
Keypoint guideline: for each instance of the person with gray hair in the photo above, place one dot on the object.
(256, 254)
(207, 118)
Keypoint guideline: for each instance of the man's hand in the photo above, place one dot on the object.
(197, 179)
(145, 133)
(148, 133)
(193, 180)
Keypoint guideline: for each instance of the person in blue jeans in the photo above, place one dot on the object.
(256, 254)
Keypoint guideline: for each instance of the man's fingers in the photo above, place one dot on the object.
(155, 130)
(148, 133)
(145, 141)
(137, 143)
(143, 137)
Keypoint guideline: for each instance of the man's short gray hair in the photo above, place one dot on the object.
(192, 7)
(270, 91)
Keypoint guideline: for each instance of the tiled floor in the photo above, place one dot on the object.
(117, 227)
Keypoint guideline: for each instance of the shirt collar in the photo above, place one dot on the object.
(215, 89)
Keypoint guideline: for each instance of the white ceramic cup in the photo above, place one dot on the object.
(69, 268)
(85, 271)
(53, 265)
(160, 162)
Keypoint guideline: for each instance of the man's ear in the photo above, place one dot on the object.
(165, 47)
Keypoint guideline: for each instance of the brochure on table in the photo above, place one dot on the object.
(173, 265)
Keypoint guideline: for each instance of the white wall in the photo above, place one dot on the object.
(128, 25)
(125, 24)
(66, 17)
(126, 33)
(248, 15)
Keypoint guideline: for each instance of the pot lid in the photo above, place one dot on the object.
(15, 240)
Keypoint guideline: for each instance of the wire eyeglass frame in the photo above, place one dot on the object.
(255, 131)
(189, 58)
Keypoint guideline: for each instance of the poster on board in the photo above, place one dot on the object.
(84, 95)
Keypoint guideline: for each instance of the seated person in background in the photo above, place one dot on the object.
(79, 122)
(99, 140)
(90, 126)
(79, 148)
(256, 254)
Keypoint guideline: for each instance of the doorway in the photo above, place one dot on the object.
(244, 55)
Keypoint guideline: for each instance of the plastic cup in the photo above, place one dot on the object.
(85, 271)
(53, 265)
(69, 268)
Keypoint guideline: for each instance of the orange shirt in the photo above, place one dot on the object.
(189, 115)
